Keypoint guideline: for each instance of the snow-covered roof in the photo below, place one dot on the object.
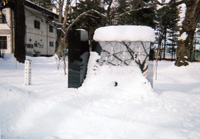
(124, 33)
(39, 8)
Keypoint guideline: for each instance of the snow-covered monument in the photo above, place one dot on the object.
(126, 45)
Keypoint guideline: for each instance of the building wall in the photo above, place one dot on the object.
(38, 39)
(6, 30)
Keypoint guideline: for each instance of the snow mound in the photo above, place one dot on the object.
(124, 33)
(117, 79)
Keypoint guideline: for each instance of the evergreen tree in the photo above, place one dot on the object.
(85, 5)
(136, 12)
(168, 18)
(172, 42)
(90, 22)
(188, 27)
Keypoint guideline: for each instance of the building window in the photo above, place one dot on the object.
(36, 24)
(29, 45)
(2, 19)
(36, 44)
(41, 46)
(50, 28)
(3, 42)
(51, 44)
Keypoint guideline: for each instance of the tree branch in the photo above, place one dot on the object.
(133, 9)
(81, 16)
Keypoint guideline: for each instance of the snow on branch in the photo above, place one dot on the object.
(171, 2)
(61, 30)
(57, 23)
(92, 16)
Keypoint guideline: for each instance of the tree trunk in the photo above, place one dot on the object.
(59, 32)
(19, 17)
(185, 45)
(64, 26)
(165, 42)
(65, 39)
(109, 22)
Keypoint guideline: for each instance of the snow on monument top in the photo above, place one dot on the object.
(124, 33)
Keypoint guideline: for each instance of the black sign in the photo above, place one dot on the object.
(78, 56)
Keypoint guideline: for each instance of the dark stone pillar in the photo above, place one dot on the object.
(78, 56)
(96, 47)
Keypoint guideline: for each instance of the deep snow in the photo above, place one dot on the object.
(47, 109)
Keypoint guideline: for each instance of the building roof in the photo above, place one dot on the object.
(35, 6)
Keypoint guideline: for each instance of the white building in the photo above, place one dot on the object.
(40, 35)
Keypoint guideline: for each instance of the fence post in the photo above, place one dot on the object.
(27, 73)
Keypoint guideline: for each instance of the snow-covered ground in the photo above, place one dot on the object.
(47, 109)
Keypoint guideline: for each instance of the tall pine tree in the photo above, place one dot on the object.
(167, 18)
(90, 22)
(136, 12)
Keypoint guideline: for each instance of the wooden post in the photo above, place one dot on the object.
(27, 73)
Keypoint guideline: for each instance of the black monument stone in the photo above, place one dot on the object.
(78, 56)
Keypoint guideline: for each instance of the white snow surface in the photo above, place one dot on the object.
(124, 33)
(47, 109)
(183, 36)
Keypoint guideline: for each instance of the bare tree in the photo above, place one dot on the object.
(65, 26)
(59, 31)
(108, 11)
(64, 41)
